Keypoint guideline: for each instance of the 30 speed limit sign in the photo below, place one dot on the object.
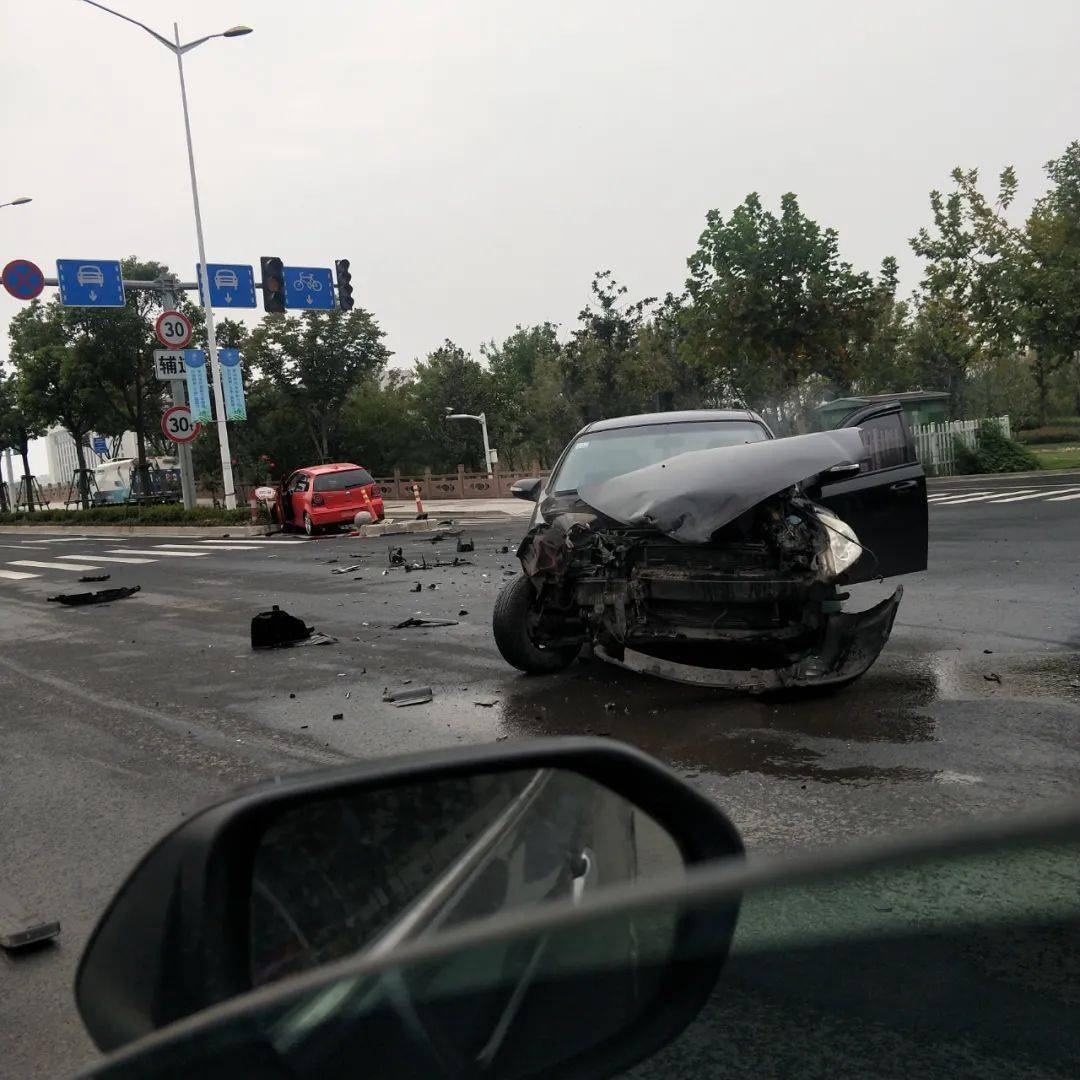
(176, 424)
(173, 330)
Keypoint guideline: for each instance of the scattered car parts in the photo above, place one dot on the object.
(102, 596)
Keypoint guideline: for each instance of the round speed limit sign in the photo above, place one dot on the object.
(176, 424)
(173, 330)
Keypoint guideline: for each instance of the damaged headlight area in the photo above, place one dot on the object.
(756, 607)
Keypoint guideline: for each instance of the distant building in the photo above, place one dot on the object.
(920, 406)
(60, 453)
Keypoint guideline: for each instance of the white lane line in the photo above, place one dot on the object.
(1065, 498)
(158, 552)
(954, 494)
(982, 498)
(246, 540)
(15, 575)
(79, 568)
(1034, 495)
(106, 558)
(207, 550)
(57, 540)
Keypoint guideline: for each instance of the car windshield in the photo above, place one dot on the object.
(344, 478)
(600, 455)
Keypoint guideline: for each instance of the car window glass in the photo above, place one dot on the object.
(343, 479)
(600, 455)
(300, 483)
(886, 443)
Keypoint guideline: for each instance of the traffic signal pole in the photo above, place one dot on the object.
(208, 311)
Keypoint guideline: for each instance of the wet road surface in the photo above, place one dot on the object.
(122, 719)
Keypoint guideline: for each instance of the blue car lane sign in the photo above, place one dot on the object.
(197, 387)
(90, 282)
(232, 285)
(308, 288)
(232, 384)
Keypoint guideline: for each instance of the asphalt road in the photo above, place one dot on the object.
(122, 719)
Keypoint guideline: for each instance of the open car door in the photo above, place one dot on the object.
(884, 499)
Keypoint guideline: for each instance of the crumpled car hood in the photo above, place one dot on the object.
(690, 496)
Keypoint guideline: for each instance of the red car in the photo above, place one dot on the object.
(321, 495)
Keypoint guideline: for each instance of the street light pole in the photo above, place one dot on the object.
(22, 200)
(481, 419)
(208, 311)
(211, 339)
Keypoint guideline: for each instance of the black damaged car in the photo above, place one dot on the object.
(697, 547)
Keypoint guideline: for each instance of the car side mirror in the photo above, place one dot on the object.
(299, 874)
(529, 490)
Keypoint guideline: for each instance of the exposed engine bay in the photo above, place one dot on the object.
(756, 608)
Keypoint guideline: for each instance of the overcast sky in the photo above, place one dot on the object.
(478, 160)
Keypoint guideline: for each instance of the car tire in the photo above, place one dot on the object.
(510, 622)
(309, 526)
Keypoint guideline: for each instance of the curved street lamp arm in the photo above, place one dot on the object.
(127, 18)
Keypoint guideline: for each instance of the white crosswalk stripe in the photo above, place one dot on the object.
(78, 568)
(15, 575)
(250, 540)
(1029, 495)
(158, 552)
(983, 497)
(204, 550)
(1064, 498)
(108, 558)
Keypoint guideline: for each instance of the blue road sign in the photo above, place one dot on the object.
(100, 445)
(90, 282)
(310, 288)
(232, 285)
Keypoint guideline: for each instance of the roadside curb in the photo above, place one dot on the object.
(218, 531)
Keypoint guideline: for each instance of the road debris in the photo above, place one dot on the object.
(463, 611)
(20, 928)
(347, 569)
(95, 577)
(396, 556)
(417, 695)
(487, 703)
(417, 588)
(993, 676)
(464, 545)
(338, 716)
(103, 596)
(433, 585)
(504, 550)
(277, 629)
(413, 621)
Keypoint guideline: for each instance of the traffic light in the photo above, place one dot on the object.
(344, 284)
(273, 283)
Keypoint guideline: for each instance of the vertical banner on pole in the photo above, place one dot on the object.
(232, 384)
(197, 387)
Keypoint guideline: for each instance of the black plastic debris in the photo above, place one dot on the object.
(487, 703)
(417, 588)
(276, 629)
(21, 928)
(433, 585)
(465, 545)
(347, 569)
(993, 677)
(463, 611)
(103, 596)
(413, 695)
(95, 577)
(396, 556)
(504, 550)
(424, 622)
(439, 536)
(338, 716)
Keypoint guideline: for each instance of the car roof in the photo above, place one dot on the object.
(686, 416)
(337, 466)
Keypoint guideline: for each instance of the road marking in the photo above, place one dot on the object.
(1064, 498)
(1033, 495)
(15, 575)
(106, 558)
(981, 498)
(954, 494)
(158, 552)
(272, 543)
(79, 568)
(207, 550)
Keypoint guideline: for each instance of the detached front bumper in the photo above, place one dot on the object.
(850, 645)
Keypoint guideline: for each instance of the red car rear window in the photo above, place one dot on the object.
(346, 478)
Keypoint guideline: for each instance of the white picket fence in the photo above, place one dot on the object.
(937, 446)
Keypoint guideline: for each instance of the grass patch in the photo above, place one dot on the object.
(130, 515)
(1062, 456)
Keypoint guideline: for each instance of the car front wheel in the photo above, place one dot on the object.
(514, 614)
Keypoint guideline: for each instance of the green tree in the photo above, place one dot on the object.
(316, 360)
(774, 304)
(18, 425)
(56, 386)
